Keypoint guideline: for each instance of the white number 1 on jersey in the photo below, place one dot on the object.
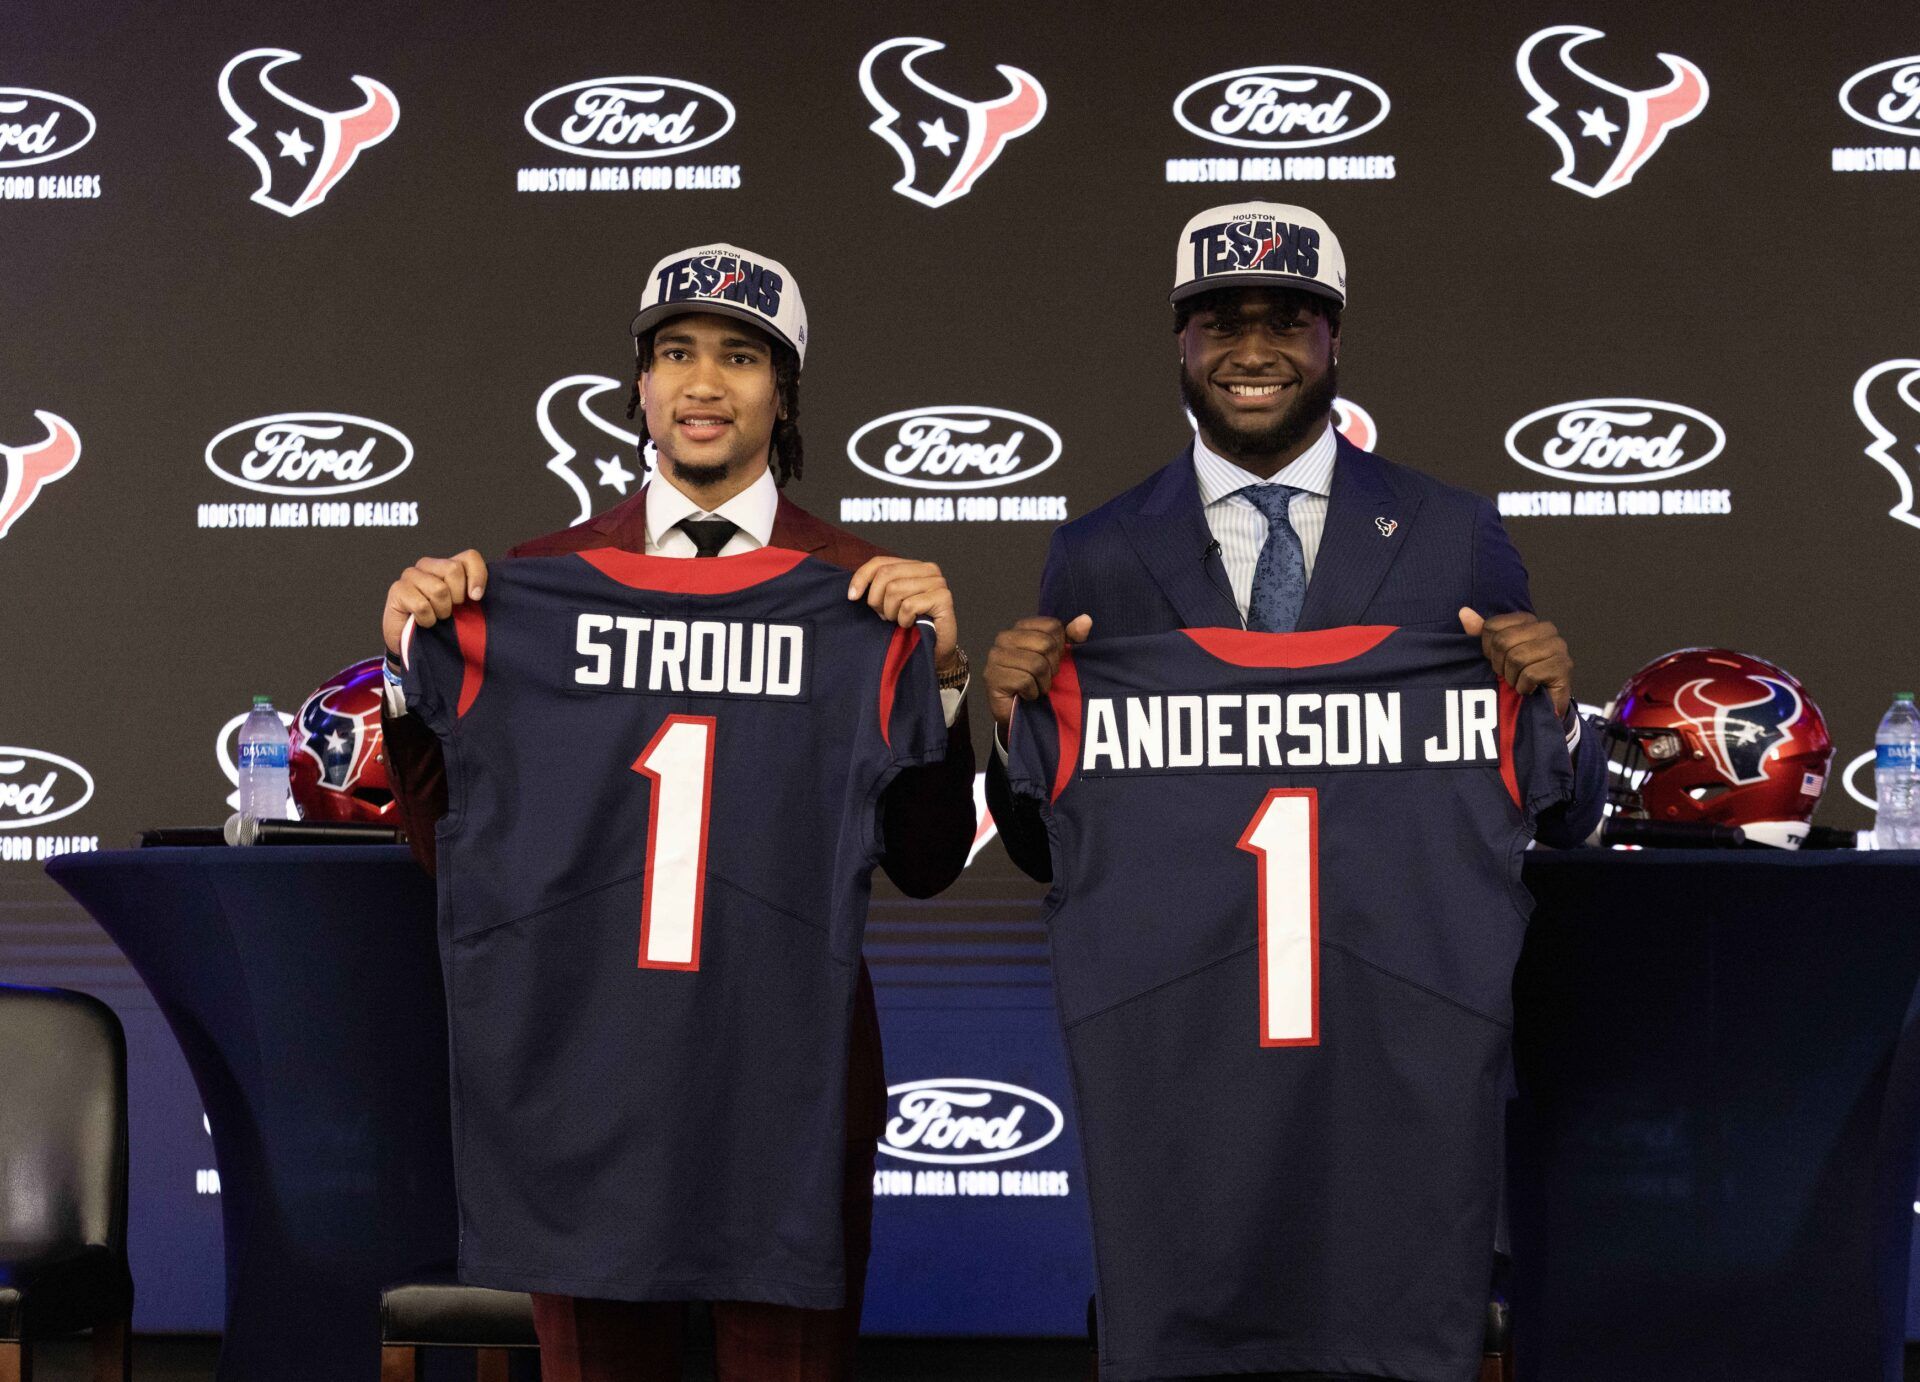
(1284, 839)
(679, 764)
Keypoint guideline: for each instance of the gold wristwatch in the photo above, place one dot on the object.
(957, 678)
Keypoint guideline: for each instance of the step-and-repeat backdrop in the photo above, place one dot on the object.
(293, 294)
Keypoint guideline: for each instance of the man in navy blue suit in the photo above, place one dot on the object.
(1270, 520)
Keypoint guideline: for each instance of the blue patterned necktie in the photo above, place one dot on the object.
(1280, 576)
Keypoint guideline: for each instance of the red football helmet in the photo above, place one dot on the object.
(1705, 735)
(338, 768)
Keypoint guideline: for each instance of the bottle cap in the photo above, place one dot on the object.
(1903, 695)
(266, 701)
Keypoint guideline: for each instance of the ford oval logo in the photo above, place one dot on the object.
(965, 1122)
(1615, 441)
(1858, 780)
(36, 788)
(956, 447)
(309, 454)
(629, 117)
(1885, 96)
(1281, 107)
(38, 126)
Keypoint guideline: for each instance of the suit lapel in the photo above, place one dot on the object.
(624, 525)
(1354, 551)
(1170, 533)
(797, 530)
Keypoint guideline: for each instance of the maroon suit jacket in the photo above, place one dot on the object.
(927, 819)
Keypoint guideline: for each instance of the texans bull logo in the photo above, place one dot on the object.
(1741, 719)
(945, 143)
(728, 277)
(984, 827)
(1605, 131)
(315, 147)
(339, 740)
(1355, 423)
(25, 470)
(574, 429)
(1887, 398)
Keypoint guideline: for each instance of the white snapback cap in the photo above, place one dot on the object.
(1259, 245)
(732, 282)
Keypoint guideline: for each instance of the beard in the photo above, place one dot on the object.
(1237, 442)
(691, 476)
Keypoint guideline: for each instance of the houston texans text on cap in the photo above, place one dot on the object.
(732, 282)
(1259, 245)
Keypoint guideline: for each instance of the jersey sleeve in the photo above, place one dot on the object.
(913, 725)
(442, 668)
(1534, 759)
(1043, 741)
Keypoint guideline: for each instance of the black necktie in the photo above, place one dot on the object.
(709, 534)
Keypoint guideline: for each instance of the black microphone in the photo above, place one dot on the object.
(1212, 549)
(1631, 830)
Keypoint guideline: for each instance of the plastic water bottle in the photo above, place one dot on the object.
(1896, 776)
(263, 768)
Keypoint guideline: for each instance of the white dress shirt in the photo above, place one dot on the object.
(751, 511)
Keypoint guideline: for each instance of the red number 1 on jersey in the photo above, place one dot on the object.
(1284, 839)
(679, 764)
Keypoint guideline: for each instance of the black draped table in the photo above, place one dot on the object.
(1713, 1155)
(1713, 1152)
(303, 985)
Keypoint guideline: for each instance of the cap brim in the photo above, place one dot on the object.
(651, 317)
(1256, 280)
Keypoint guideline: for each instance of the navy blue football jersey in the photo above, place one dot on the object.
(1285, 913)
(663, 783)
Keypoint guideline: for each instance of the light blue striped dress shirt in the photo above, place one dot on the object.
(1241, 529)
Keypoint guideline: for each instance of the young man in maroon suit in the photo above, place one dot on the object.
(720, 339)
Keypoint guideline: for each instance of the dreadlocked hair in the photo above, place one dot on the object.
(788, 452)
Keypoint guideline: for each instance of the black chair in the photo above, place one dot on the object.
(63, 1179)
(1496, 1361)
(433, 1310)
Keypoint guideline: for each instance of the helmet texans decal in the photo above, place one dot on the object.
(1741, 719)
(1605, 131)
(315, 147)
(337, 738)
(945, 143)
(1713, 737)
(338, 768)
(24, 470)
(573, 429)
(1887, 400)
